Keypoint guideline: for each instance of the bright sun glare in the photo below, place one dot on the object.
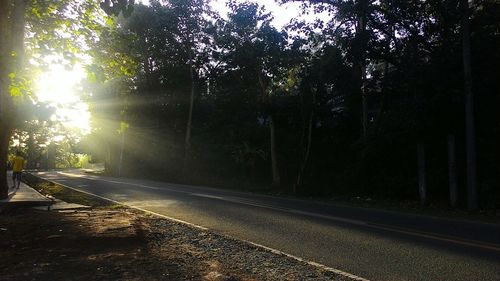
(59, 87)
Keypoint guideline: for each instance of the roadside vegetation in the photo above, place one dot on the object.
(392, 102)
(57, 191)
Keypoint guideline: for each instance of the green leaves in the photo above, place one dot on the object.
(123, 127)
(15, 91)
(110, 22)
(18, 86)
(115, 7)
(246, 154)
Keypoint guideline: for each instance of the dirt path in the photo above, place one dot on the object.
(84, 245)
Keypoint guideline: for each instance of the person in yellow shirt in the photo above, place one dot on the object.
(17, 169)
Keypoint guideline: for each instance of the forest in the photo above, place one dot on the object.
(383, 99)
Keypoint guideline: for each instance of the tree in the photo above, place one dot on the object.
(12, 22)
(34, 132)
(110, 81)
(36, 27)
(340, 108)
(359, 16)
(191, 22)
(168, 43)
(255, 51)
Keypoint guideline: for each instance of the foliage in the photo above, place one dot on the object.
(396, 65)
(308, 78)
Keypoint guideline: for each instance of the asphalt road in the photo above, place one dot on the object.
(372, 244)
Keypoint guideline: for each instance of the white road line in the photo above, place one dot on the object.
(315, 264)
(119, 182)
(207, 196)
(147, 186)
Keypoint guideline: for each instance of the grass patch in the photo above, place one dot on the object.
(117, 207)
(65, 194)
(96, 173)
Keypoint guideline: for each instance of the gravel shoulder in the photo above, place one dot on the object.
(108, 242)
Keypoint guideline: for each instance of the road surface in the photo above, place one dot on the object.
(372, 244)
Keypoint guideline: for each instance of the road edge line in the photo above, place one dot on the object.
(311, 263)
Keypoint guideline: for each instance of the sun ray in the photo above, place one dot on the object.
(59, 87)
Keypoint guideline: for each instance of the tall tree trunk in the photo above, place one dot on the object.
(383, 99)
(274, 156)
(51, 156)
(4, 97)
(452, 171)
(5, 129)
(108, 166)
(187, 141)
(4, 144)
(364, 101)
(122, 149)
(31, 163)
(306, 137)
(361, 41)
(4, 60)
(12, 22)
(272, 128)
(307, 152)
(17, 36)
(470, 132)
(422, 174)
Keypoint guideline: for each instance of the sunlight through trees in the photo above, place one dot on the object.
(353, 98)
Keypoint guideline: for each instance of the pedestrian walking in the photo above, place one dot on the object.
(17, 169)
